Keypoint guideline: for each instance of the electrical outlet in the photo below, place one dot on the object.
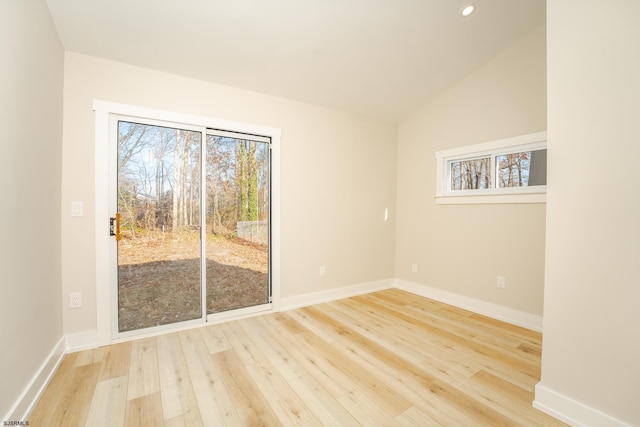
(414, 268)
(75, 300)
(501, 282)
(323, 271)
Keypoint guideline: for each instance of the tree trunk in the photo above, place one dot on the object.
(184, 167)
(252, 183)
(242, 182)
(176, 177)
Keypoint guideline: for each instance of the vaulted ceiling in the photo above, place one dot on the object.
(379, 58)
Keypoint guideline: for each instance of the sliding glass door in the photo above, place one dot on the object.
(177, 262)
(238, 195)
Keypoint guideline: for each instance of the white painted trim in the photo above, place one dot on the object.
(101, 200)
(571, 411)
(180, 119)
(81, 341)
(498, 144)
(491, 199)
(30, 395)
(506, 314)
(290, 303)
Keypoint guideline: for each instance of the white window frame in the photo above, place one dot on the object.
(445, 196)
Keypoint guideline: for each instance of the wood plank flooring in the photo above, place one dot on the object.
(386, 358)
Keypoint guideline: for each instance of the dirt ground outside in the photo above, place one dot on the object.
(159, 277)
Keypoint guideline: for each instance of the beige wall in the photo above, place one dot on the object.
(462, 248)
(31, 123)
(338, 175)
(591, 347)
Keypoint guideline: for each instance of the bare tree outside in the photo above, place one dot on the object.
(238, 210)
(520, 169)
(159, 194)
(471, 174)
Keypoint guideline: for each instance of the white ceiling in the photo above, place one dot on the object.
(380, 58)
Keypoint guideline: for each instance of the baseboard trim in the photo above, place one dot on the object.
(571, 411)
(506, 314)
(30, 395)
(82, 341)
(298, 301)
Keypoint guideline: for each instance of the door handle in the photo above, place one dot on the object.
(114, 226)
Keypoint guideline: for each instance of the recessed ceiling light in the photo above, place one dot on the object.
(468, 10)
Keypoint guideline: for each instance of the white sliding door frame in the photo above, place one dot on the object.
(106, 114)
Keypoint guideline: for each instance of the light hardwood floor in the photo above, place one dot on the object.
(387, 358)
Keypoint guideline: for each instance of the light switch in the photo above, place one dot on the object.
(77, 209)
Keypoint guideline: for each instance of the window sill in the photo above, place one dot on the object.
(486, 199)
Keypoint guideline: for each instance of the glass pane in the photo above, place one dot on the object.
(522, 169)
(238, 194)
(159, 203)
(471, 174)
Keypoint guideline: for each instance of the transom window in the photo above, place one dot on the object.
(511, 170)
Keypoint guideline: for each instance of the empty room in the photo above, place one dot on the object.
(320, 213)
